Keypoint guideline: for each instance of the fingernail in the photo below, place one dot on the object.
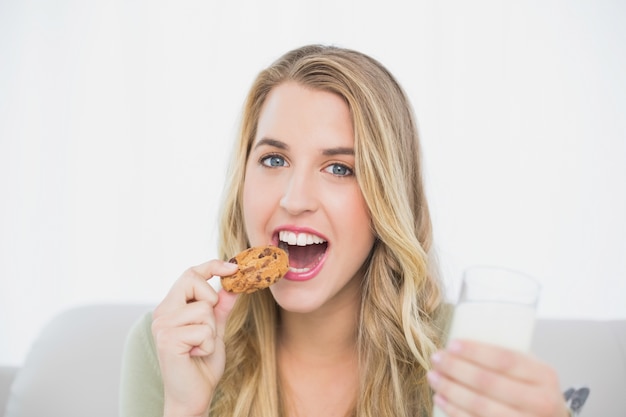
(433, 378)
(455, 346)
(230, 265)
(439, 400)
(436, 357)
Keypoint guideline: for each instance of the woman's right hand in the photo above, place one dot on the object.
(188, 329)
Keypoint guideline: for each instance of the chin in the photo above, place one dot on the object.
(296, 300)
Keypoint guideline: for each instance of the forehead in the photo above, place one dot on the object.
(293, 111)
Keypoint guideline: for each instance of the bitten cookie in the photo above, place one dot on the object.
(259, 267)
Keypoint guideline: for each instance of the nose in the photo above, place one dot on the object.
(300, 194)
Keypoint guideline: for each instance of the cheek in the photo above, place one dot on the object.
(353, 217)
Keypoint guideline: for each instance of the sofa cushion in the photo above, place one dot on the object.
(73, 367)
(7, 375)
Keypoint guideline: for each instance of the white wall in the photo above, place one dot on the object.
(116, 119)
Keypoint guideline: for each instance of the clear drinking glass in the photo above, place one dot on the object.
(497, 306)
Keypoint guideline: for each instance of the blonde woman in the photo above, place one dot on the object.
(326, 165)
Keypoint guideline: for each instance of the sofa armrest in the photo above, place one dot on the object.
(587, 353)
(7, 375)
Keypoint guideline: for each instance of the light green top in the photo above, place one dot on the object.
(141, 390)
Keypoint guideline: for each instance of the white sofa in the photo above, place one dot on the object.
(73, 367)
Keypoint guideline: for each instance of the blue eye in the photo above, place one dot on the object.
(339, 170)
(273, 161)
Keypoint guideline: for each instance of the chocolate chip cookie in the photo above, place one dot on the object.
(259, 267)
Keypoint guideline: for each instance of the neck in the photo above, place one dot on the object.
(317, 358)
(326, 335)
(316, 339)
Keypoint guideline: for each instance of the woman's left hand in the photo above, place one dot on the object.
(473, 379)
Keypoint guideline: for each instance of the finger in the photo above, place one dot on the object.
(459, 400)
(222, 310)
(198, 312)
(188, 288)
(495, 373)
(215, 267)
(450, 410)
(193, 339)
(515, 364)
(193, 285)
(204, 272)
(482, 381)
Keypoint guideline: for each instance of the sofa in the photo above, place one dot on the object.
(73, 366)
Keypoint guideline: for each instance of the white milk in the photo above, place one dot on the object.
(505, 324)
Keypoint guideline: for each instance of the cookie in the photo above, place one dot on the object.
(259, 267)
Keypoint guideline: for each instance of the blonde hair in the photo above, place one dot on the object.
(400, 290)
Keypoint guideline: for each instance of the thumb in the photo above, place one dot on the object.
(224, 306)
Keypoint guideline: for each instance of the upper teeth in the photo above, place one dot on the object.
(299, 239)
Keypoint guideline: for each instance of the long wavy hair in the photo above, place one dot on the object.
(401, 292)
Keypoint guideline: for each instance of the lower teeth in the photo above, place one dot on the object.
(299, 270)
(306, 269)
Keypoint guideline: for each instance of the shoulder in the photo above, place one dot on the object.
(141, 386)
(140, 341)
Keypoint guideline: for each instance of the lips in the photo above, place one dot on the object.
(306, 251)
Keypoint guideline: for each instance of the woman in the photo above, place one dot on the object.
(327, 165)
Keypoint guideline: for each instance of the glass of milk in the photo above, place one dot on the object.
(497, 306)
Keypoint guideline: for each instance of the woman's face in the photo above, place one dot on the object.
(300, 193)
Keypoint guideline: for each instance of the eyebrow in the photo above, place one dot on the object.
(339, 150)
(271, 142)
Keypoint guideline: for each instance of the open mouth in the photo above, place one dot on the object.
(305, 250)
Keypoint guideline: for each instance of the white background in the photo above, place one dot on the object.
(116, 119)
